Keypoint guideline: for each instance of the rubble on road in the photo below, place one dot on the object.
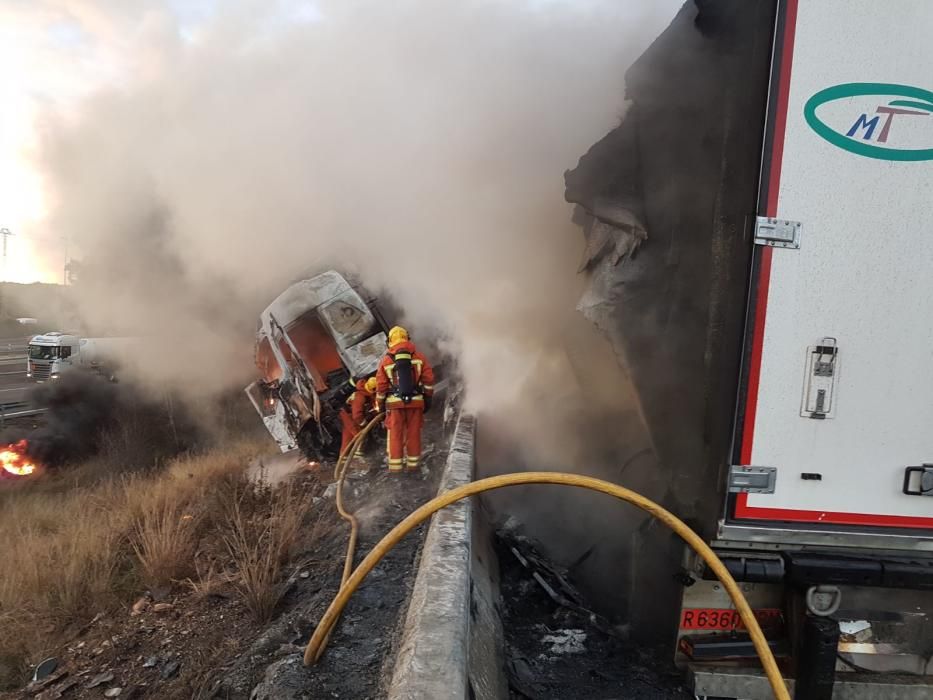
(169, 669)
(557, 647)
(99, 679)
(44, 669)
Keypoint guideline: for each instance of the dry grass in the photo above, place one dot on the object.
(75, 546)
(58, 553)
(260, 537)
(209, 581)
(164, 540)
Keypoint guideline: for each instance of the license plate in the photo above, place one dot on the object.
(724, 619)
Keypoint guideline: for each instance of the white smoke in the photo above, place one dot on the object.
(420, 144)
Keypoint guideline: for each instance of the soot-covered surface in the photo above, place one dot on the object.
(361, 650)
(666, 201)
(554, 652)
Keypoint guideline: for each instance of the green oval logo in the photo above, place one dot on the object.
(875, 130)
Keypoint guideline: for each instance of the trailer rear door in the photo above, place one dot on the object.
(837, 390)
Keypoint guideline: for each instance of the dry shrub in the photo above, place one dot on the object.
(75, 547)
(209, 581)
(59, 554)
(82, 568)
(164, 540)
(262, 527)
(61, 564)
(170, 512)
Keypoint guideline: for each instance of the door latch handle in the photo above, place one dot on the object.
(918, 481)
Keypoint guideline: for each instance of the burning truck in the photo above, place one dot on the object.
(312, 343)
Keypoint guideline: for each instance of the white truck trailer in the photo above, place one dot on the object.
(776, 323)
(50, 354)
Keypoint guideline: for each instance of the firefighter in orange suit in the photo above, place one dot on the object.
(355, 413)
(405, 387)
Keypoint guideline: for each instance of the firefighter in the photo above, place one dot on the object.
(404, 387)
(357, 410)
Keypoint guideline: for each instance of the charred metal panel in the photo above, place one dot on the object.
(667, 201)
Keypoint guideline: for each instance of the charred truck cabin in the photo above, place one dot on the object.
(313, 342)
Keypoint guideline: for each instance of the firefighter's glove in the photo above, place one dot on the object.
(427, 403)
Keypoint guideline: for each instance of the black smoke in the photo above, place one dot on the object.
(86, 415)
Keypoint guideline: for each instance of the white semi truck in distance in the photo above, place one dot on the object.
(50, 354)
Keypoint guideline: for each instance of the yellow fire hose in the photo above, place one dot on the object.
(340, 472)
(322, 632)
(347, 455)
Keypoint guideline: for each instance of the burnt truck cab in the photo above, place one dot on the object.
(317, 337)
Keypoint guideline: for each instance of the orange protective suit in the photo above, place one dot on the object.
(353, 415)
(404, 420)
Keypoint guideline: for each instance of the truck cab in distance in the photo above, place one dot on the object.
(50, 354)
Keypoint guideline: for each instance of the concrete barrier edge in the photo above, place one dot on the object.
(433, 658)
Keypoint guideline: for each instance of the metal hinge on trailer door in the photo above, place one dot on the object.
(778, 233)
(752, 479)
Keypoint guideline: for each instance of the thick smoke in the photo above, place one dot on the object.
(420, 145)
(87, 415)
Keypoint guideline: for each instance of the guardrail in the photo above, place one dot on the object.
(451, 644)
(17, 409)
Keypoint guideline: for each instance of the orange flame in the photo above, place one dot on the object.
(14, 460)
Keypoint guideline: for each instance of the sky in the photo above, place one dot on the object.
(56, 54)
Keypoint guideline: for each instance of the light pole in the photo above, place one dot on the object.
(6, 233)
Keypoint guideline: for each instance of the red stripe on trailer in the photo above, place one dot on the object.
(754, 370)
(819, 516)
(780, 114)
(742, 509)
(764, 273)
